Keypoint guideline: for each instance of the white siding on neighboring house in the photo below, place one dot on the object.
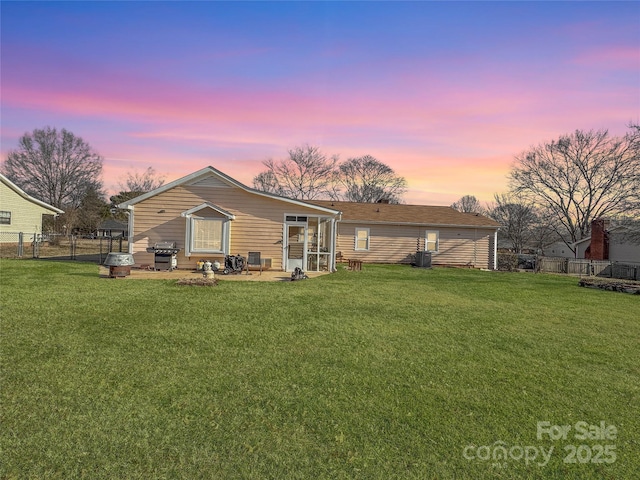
(25, 212)
(620, 249)
(624, 252)
(581, 247)
(560, 249)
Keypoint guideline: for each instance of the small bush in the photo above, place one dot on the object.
(507, 262)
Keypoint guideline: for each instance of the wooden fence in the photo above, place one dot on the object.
(583, 267)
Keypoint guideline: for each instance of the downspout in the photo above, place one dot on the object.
(129, 213)
(495, 249)
(334, 241)
(475, 247)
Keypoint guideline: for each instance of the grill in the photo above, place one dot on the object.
(164, 255)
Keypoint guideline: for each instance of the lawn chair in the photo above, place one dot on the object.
(253, 260)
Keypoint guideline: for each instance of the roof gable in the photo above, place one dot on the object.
(28, 197)
(112, 224)
(407, 214)
(211, 177)
(211, 206)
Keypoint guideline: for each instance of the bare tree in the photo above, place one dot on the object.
(366, 179)
(518, 221)
(135, 184)
(266, 182)
(306, 174)
(580, 177)
(626, 230)
(54, 166)
(142, 182)
(92, 210)
(467, 204)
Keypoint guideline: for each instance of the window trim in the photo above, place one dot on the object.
(426, 240)
(5, 214)
(356, 238)
(225, 235)
(223, 216)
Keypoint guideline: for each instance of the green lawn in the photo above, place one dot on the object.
(391, 372)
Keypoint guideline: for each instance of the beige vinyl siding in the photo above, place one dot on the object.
(387, 243)
(462, 246)
(398, 244)
(257, 225)
(26, 216)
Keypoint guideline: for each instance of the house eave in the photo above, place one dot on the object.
(422, 224)
(585, 239)
(191, 211)
(28, 197)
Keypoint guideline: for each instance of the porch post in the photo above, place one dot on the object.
(334, 234)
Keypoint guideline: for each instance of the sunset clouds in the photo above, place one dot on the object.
(445, 93)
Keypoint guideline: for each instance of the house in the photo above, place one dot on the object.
(558, 249)
(393, 233)
(20, 212)
(607, 243)
(112, 228)
(209, 215)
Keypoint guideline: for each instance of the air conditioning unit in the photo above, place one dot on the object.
(423, 259)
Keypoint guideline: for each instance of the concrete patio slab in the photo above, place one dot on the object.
(254, 276)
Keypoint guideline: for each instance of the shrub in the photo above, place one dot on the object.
(507, 262)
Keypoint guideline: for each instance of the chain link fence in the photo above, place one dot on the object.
(60, 247)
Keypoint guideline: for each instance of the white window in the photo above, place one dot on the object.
(431, 241)
(5, 218)
(208, 235)
(207, 229)
(362, 239)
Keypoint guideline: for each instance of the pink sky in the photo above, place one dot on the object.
(447, 112)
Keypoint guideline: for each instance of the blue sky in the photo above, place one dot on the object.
(446, 93)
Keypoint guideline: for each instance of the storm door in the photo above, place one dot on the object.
(296, 246)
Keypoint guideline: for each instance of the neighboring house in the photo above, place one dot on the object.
(558, 249)
(209, 215)
(607, 243)
(393, 233)
(113, 228)
(20, 212)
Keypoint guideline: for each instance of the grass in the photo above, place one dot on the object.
(386, 373)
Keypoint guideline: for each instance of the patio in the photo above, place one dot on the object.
(177, 274)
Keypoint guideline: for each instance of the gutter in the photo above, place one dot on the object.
(422, 224)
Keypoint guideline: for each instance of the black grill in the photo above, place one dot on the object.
(164, 255)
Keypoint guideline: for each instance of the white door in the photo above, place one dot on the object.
(296, 247)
